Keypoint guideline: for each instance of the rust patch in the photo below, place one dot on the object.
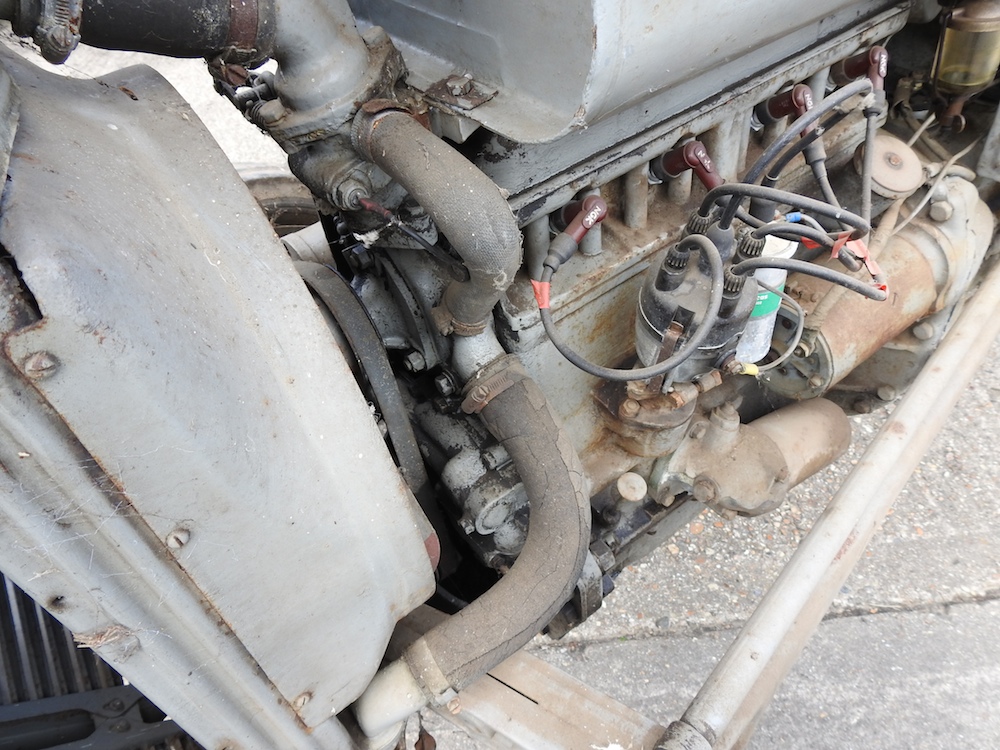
(848, 543)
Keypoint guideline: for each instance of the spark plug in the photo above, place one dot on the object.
(692, 155)
(588, 212)
(796, 101)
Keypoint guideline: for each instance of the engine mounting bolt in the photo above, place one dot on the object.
(40, 365)
(941, 211)
(629, 408)
(454, 706)
(886, 393)
(631, 487)
(178, 538)
(923, 331)
(415, 362)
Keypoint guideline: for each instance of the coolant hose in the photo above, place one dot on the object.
(541, 580)
(466, 205)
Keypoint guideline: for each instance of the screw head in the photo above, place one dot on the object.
(120, 727)
(454, 706)
(178, 538)
(115, 705)
(301, 700)
(40, 365)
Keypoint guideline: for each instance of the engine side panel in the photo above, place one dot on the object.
(225, 437)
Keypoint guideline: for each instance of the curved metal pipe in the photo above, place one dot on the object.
(466, 205)
(507, 616)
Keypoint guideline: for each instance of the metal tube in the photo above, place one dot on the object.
(744, 680)
(636, 189)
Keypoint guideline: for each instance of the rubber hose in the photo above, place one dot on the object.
(466, 205)
(542, 579)
(546, 571)
(182, 28)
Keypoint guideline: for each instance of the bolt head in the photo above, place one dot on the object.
(115, 705)
(454, 706)
(629, 408)
(272, 112)
(923, 331)
(886, 393)
(415, 362)
(705, 490)
(941, 211)
(458, 85)
(631, 487)
(444, 384)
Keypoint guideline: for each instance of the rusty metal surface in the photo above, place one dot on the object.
(231, 440)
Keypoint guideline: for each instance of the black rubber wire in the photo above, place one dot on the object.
(711, 253)
(811, 269)
(810, 205)
(796, 148)
(838, 97)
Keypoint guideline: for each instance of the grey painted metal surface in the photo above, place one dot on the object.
(214, 490)
(545, 176)
(565, 63)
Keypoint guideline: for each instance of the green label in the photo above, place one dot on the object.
(767, 303)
